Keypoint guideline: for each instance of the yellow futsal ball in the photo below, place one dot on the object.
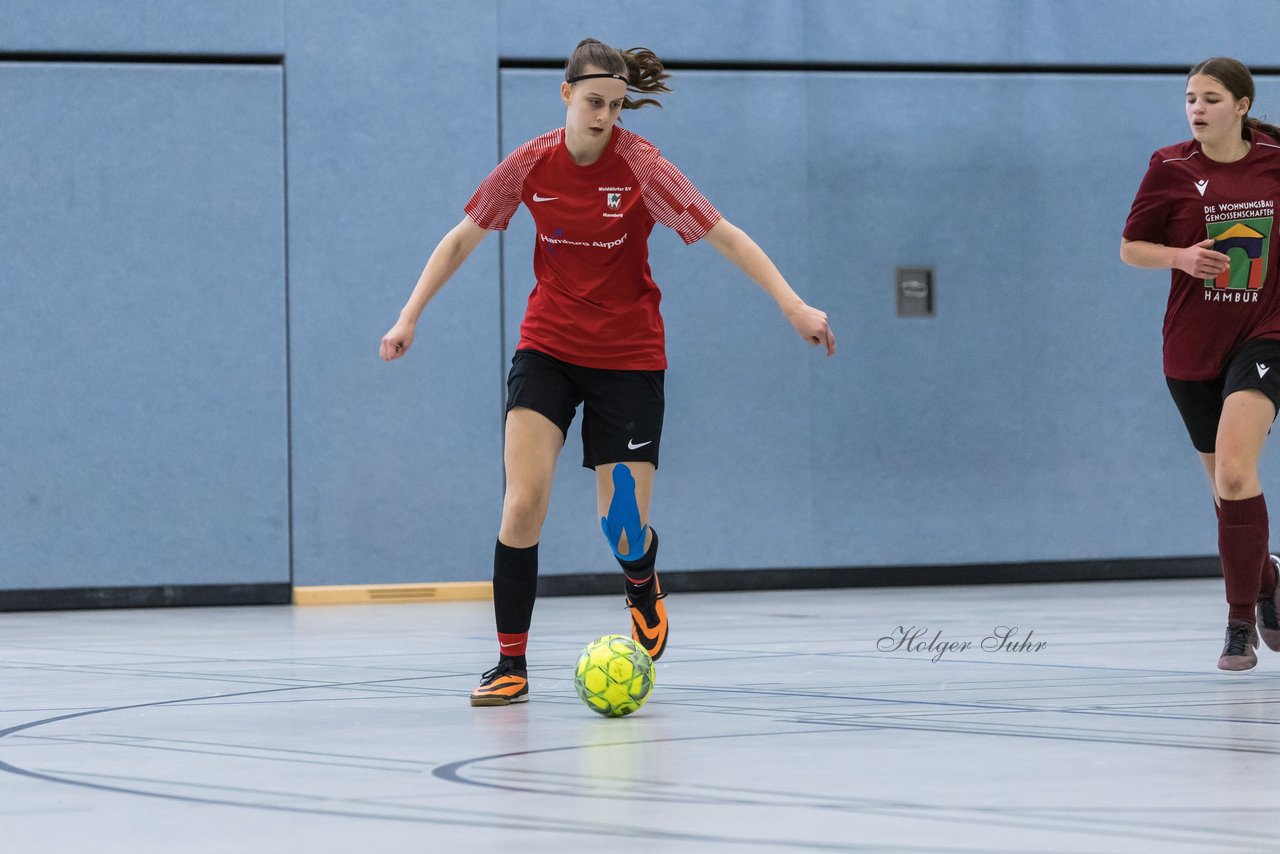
(614, 676)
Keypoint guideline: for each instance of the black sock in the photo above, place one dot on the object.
(639, 573)
(515, 586)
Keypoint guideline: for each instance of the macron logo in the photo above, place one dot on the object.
(1262, 369)
(538, 198)
(1201, 185)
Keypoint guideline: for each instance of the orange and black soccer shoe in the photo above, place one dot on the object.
(502, 686)
(649, 619)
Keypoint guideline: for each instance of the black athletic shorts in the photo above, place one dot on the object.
(621, 410)
(1256, 365)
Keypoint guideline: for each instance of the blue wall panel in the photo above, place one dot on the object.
(1073, 32)
(1068, 32)
(143, 331)
(142, 358)
(392, 123)
(737, 420)
(143, 26)
(1026, 421)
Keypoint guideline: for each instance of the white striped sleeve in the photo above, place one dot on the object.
(496, 199)
(673, 200)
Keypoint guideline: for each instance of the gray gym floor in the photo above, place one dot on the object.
(777, 725)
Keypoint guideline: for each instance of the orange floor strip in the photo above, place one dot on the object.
(365, 594)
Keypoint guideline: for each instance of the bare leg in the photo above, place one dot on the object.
(1246, 420)
(533, 444)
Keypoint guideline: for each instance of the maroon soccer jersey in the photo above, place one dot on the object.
(595, 303)
(1186, 198)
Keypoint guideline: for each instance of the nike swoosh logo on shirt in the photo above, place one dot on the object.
(631, 446)
(538, 198)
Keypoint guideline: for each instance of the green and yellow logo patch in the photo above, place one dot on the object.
(1247, 242)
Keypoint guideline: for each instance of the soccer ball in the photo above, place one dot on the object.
(614, 676)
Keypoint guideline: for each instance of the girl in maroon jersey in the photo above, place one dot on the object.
(592, 333)
(1206, 210)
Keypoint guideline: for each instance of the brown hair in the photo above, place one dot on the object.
(642, 69)
(1236, 77)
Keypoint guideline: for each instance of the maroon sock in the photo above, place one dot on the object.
(1242, 544)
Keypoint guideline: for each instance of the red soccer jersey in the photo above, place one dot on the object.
(1186, 198)
(595, 303)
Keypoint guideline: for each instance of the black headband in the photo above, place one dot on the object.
(602, 74)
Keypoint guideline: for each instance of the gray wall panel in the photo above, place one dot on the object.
(1071, 32)
(738, 400)
(143, 330)
(1027, 421)
(142, 359)
(397, 467)
(143, 26)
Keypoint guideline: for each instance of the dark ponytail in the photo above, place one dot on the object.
(641, 68)
(1238, 80)
(1251, 123)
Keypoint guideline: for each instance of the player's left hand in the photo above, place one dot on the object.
(813, 327)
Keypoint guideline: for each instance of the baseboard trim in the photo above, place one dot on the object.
(721, 580)
(608, 583)
(177, 595)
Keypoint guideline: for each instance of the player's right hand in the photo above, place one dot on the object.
(397, 341)
(1201, 261)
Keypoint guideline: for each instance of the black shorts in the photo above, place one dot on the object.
(621, 412)
(1255, 365)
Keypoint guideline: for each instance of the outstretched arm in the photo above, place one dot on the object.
(448, 256)
(736, 245)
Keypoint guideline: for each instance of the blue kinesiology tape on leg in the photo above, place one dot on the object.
(624, 516)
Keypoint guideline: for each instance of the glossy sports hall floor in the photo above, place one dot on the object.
(777, 725)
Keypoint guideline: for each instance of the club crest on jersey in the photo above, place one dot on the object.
(613, 200)
(1247, 242)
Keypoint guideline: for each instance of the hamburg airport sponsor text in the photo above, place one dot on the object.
(612, 244)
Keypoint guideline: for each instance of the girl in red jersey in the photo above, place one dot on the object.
(1206, 210)
(592, 333)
